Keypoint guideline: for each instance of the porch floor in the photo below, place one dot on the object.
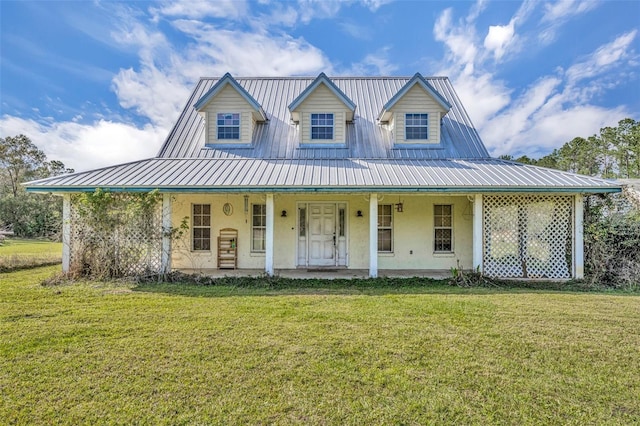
(327, 274)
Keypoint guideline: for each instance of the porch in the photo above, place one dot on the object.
(326, 274)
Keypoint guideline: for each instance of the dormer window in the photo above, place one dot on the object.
(322, 126)
(416, 126)
(228, 125)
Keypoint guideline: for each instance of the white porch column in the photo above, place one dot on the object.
(478, 245)
(373, 235)
(578, 243)
(268, 255)
(66, 232)
(166, 233)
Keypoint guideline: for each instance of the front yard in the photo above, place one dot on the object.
(181, 354)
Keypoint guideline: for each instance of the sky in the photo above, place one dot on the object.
(96, 83)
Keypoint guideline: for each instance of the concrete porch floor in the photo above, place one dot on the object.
(327, 274)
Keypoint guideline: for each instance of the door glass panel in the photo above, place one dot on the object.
(341, 218)
(302, 224)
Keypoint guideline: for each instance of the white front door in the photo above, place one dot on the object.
(322, 234)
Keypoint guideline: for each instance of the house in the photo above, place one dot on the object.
(373, 173)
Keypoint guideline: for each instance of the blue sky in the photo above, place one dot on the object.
(99, 83)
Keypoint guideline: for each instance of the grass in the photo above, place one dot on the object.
(23, 254)
(117, 353)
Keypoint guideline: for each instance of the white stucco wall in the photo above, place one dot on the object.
(413, 231)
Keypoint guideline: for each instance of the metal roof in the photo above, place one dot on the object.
(324, 175)
(220, 84)
(369, 162)
(278, 137)
(420, 80)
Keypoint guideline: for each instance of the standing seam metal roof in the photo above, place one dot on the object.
(366, 138)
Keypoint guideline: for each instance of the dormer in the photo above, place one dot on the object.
(414, 113)
(230, 113)
(322, 111)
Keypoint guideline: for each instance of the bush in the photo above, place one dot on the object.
(612, 241)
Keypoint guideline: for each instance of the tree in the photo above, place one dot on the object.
(29, 215)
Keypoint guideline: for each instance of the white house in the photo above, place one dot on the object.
(374, 173)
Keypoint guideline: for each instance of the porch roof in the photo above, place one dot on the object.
(323, 175)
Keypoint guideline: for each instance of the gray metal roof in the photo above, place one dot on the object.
(324, 175)
(366, 138)
(276, 162)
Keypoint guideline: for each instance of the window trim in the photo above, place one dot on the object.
(220, 127)
(198, 227)
(390, 228)
(436, 228)
(413, 126)
(325, 126)
(257, 227)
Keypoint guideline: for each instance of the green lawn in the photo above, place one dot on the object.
(183, 354)
(22, 253)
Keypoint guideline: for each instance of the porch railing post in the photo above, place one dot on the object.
(478, 240)
(268, 255)
(373, 236)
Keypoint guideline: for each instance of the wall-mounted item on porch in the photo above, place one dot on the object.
(359, 213)
(228, 249)
(227, 209)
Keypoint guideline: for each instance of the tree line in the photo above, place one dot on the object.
(28, 215)
(612, 153)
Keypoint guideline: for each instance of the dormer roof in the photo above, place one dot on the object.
(323, 79)
(422, 82)
(227, 79)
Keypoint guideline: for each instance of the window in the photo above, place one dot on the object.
(258, 227)
(416, 126)
(443, 226)
(385, 228)
(228, 125)
(321, 126)
(201, 226)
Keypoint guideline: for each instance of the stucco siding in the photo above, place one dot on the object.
(413, 231)
(229, 101)
(416, 100)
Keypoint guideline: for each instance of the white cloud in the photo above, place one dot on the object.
(377, 63)
(604, 58)
(231, 9)
(88, 146)
(566, 8)
(498, 38)
(551, 111)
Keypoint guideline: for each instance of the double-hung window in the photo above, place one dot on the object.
(201, 227)
(416, 126)
(258, 227)
(443, 228)
(322, 126)
(228, 125)
(385, 228)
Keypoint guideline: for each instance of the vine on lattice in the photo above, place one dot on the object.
(115, 234)
(528, 236)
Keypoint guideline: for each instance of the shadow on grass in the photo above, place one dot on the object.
(276, 286)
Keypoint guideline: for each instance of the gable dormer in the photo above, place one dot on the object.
(230, 113)
(413, 114)
(321, 112)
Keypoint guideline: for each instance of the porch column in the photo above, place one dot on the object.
(268, 254)
(578, 243)
(478, 243)
(66, 232)
(373, 235)
(166, 234)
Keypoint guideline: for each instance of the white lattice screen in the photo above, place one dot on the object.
(130, 240)
(528, 236)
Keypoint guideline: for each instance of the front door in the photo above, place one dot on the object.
(322, 234)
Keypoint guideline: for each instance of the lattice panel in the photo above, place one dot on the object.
(528, 236)
(123, 241)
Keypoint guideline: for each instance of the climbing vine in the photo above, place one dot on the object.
(117, 235)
